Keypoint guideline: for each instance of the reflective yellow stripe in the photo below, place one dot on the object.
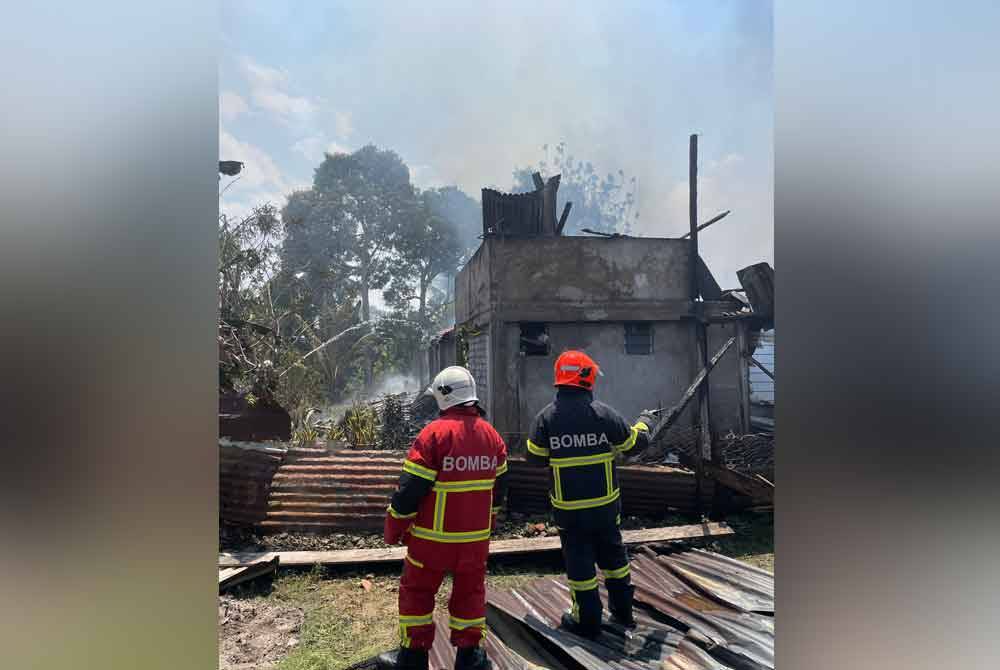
(414, 561)
(502, 468)
(470, 485)
(607, 476)
(396, 515)
(462, 624)
(439, 503)
(536, 450)
(585, 503)
(557, 481)
(445, 536)
(641, 425)
(405, 621)
(628, 443)
(573, 461)
(495, 510)
(617, 573)
(419, 470)
(583, 585)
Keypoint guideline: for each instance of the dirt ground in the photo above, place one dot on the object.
(256, 633)
(329, 619)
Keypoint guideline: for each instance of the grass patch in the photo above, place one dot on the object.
(753, 541)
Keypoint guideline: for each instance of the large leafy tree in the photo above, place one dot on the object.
(349, 221)
(342, 240)
(602, 203)
(429, 246)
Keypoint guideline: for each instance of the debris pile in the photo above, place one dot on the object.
(750, 454)
(390, 422)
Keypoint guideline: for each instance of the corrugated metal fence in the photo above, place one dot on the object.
(312, 490)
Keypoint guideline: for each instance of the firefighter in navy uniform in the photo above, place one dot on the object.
(445, 508)
(578, 438)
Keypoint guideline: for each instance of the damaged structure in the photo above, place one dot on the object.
(632, 303)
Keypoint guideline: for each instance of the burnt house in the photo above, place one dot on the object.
(529, 293)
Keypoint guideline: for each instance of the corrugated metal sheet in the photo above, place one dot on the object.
(317, 491)
(646, 490)
(245, 475)
(688, 616)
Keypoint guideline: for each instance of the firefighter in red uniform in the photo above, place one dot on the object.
(578, 438)
(444, 510)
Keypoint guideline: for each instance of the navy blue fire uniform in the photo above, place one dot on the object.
(578, 438)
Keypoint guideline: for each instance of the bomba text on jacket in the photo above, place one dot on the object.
(463, 463)
(579, 440)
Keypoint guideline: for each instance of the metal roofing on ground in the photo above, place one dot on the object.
(695, 611)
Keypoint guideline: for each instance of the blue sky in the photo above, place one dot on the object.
(466, 92)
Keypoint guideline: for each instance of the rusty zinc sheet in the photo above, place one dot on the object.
(318, 491)
(314, 490)
(442, 654)
(245, 474)
(687, 615)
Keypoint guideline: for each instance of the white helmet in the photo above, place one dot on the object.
(453, 386)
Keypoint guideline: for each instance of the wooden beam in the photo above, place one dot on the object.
(671, 416)
(762, 368)
(758, 489)
(717, 217)
(743, 390)
(562, 219)
(231, 576)
(497, 547)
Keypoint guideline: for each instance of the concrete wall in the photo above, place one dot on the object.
(522, 385)
(574, 279)
(472, 288)
(585, 289)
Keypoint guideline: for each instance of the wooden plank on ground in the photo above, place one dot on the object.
(497, 547)
(231, 576)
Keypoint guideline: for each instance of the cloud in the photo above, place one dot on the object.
(313, 148)
(267, 91)
(260, 181)
(342, 124)
(231, 105)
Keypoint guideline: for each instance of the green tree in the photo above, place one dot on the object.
(428, 246)
(605, 204)
(342, 238)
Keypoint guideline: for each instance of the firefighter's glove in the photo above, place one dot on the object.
(648, 420)
(395, 529)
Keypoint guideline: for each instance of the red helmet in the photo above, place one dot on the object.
(575, 368)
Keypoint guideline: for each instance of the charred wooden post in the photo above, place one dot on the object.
(549, 205)
(562, 219)
(701, 336)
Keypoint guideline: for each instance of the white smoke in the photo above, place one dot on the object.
(395, 383)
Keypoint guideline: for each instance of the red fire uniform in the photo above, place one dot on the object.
(444, 510)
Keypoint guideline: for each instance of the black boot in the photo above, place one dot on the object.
(472, 658)
(574, 626)
(403, 659)
(620, 603)
(628, 621)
